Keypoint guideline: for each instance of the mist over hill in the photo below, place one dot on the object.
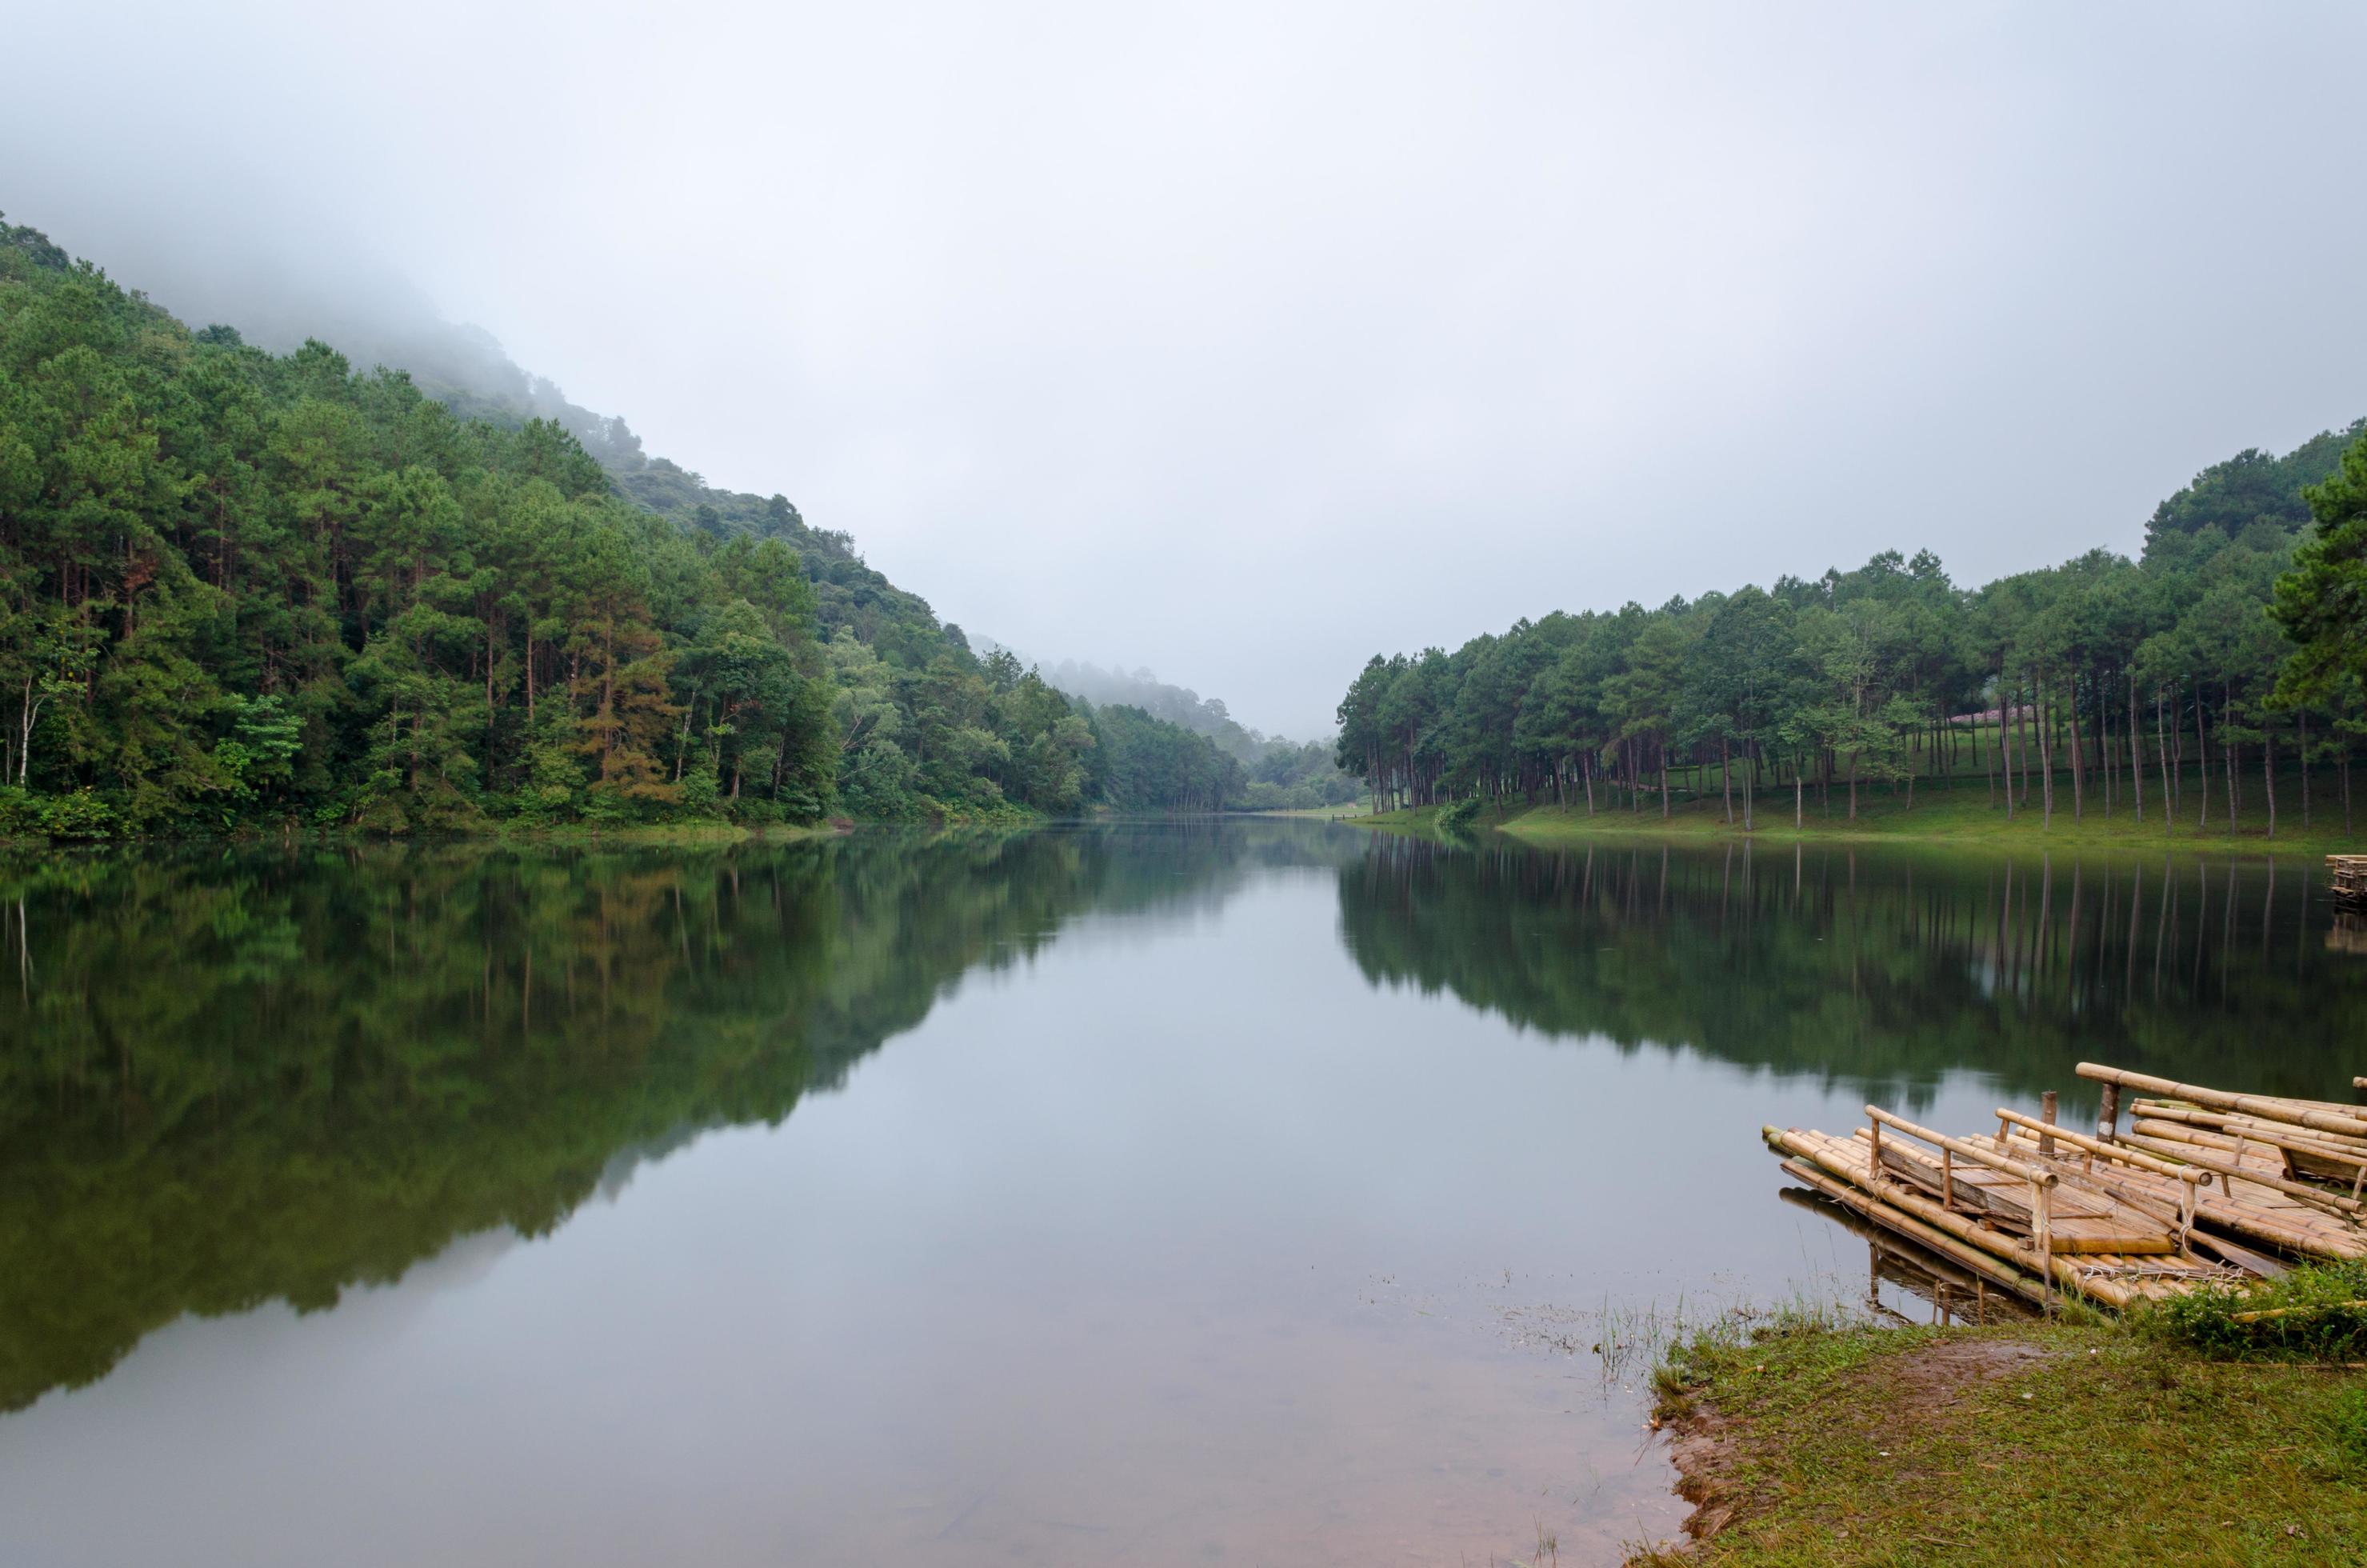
(382, 321)
(241, 587)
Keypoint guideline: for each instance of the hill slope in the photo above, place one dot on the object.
(239, 586)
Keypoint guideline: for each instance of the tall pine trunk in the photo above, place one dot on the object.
(2021, 744)
(2108, 767)
(2227, 751)
(2136, 755)
(2303, 749)
(1989, 765)
(2045, 762)
(2079, 789)
(2269, 774)
(2201, 764)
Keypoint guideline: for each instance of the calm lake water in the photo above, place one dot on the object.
(1248, 1193)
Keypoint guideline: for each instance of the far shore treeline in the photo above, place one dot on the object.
(246, 589)
(2230, 652)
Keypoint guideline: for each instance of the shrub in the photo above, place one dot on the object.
(2316, 1312)
(1460, 816)
(79, 815)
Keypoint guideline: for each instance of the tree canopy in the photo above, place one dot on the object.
(2128, 678)
(239, 587)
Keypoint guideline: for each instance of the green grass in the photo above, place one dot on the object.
(2094, 1444)
(1958, 811)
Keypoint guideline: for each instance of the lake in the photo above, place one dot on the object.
(1250, 1192)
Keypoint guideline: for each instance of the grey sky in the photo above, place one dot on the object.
(1243, 342)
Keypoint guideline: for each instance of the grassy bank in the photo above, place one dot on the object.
(1960, 811)
(676, 835)
(2046, 1443)
(1353, 810)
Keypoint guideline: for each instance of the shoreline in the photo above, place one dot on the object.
(1949, 825)
(691, 835)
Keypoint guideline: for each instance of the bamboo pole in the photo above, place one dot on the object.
(1909, 1163)
(2017, 1252)
(2038, 1175)
(1978, 1262)
(2042, 1238)
(2316, 1197)
(2276, 1134)
(2120, 1152)
(2264, 1107)
(2172, 1111)
(1891, 1247)
(2268, 1312)
(2255, 1226)
(2179, 1216)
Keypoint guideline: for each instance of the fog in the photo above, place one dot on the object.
(1243, 342)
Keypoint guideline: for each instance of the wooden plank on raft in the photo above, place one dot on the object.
(2350, 1125)
(2188, 1147)
(2323, 1154)
(1845, 1160)
(1841, 1169)
(2303, 1230)
(2202, 1178)
(2082, 1219)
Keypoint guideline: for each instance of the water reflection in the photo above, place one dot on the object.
(1880, 972)
(226, 1079)
(1220, 1211)
(1909, 1285)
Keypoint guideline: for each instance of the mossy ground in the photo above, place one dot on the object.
(2057, 1443)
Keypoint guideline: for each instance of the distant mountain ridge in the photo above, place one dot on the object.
(1176, 704)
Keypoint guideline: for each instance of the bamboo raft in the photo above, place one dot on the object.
(2347, 876)
(2206, 1187)
(1955, 1295)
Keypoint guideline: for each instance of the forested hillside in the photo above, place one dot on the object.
(245, 587)
(2101, 681)
(1176, 704)
(1280, 775)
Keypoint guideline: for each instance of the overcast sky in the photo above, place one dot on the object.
(1244, 342)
